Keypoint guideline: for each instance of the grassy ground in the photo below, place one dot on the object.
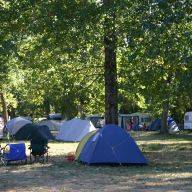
(170, 169)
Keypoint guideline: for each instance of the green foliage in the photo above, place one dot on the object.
(158, 52)
(51, 54)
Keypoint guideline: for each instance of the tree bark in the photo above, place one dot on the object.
(80, 111)
(12, 113)
(46, 104)
(166, 105)
(110, 66)
(164, 125)
(4, 106)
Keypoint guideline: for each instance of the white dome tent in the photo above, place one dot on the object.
(14, 125)
(74, 130)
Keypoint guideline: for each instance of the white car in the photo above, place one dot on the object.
(188, 120)
(1, 127)
(97, 120)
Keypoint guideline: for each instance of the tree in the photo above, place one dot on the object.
(56, 49)
(159, 43)
(110, 66)
(5, 113)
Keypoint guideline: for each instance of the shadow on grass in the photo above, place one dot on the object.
(169, 169)
(61, 175)
(148, 136)
(177, 147)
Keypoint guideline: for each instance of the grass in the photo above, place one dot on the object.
(170, 169)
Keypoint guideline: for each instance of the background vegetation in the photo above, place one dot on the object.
(52, 56)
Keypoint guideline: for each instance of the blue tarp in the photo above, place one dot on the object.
(17, 152)
(111, 144)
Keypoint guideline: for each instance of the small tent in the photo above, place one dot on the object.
(111, 145)
(74, 130)
(14, 125)
(172, 126)
(155, 125)
(25, 132)
(52, 124)
(31, 131)
(82, 143)
(43, 132)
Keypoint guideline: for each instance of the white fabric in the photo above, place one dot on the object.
(173, 128)
(188, 120)
(53, 125)
(1, 127)
(74, 130)
(14, 125)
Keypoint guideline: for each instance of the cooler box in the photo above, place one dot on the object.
(16, 152)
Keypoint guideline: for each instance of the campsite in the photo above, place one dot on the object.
(110, 157)
(169, 170)
(95, 95)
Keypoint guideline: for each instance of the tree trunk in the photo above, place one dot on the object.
(80, 111)
(164, 125)
(46, 104)
(110, 66)
(12, 113)
(5, 113)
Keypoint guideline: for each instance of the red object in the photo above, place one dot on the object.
(71, 156)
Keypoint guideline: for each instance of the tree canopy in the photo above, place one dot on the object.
(53, 56)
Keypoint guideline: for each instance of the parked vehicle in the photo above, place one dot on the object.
(97, 120)
(188, 120)
(135, 121)
(1, 127)
(55, 116)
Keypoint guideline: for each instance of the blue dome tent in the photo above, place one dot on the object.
(111, 145)
(33, 131)
(156, 125)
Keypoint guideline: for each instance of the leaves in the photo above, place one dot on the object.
(53, 50)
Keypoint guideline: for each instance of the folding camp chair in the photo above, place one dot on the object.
(38, 151)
